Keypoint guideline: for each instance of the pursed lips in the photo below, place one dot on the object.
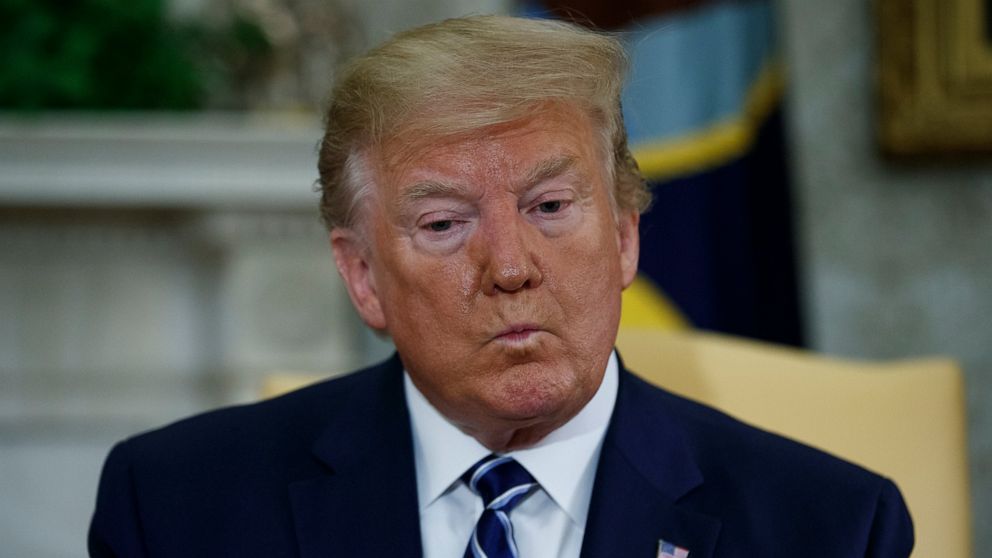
(517, 332)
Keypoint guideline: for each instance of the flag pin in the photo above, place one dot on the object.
(669, 550)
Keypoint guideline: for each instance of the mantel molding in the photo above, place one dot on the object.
(193, 160)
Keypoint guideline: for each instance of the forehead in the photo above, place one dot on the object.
(552, 140)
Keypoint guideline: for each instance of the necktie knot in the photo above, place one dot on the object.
(500, 481)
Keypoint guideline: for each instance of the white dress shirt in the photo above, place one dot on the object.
(550, 522)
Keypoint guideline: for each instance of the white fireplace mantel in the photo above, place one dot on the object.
(203, 263)
(147, 160)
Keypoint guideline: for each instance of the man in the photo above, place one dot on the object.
(483, 211)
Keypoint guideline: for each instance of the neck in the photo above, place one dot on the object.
(503, 441)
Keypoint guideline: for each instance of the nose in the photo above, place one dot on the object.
(510, 261)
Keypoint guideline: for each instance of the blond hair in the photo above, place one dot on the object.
(463, 75)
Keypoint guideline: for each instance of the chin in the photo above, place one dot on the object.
(529, 394)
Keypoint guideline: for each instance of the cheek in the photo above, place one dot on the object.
(589, 277)
(448, 290)
(465, 280)
(416, 323)
(433, 293)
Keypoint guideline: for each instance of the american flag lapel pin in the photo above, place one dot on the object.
(669, 550)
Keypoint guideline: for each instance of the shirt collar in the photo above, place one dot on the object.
(563, 462)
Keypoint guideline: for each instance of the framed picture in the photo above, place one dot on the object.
(935, 77)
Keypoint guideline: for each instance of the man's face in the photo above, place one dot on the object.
(495, 262)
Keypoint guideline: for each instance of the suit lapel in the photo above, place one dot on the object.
(645, 469)
(366, 503)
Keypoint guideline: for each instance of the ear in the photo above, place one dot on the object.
(629, 244)
(353, 258)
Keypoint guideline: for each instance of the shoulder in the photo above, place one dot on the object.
(760, 482)
(219, 480)
(725, 444)
(270, 430)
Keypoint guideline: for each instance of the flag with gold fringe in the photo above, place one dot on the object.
(703, 108)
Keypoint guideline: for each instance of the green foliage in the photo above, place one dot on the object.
(100, 54)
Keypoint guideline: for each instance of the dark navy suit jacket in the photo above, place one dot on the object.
(328, 471)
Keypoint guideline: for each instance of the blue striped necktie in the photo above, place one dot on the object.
(502, 483)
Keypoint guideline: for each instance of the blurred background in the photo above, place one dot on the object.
(160, 251)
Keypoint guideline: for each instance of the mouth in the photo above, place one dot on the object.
(517, 333)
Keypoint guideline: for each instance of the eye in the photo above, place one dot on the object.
(439, 226)
(549, 206)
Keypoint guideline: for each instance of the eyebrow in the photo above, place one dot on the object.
(549, 168)
(429, 189)
(545, 170)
